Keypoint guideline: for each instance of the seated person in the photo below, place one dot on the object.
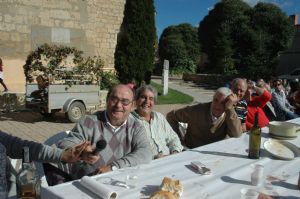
(281, 101)
(239, 87)
(269, 109)
(13, 147)
(162, 138)
(208, 122)
(127, 143)
(257, 99)
(41, 93)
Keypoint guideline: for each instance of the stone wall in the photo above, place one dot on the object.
(89, 25)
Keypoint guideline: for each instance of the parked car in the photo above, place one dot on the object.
(294, 74)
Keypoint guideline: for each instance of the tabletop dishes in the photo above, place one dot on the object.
(283, 130)
(281, 149)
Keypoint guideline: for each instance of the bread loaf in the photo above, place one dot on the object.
(163, 195)
(173, 186)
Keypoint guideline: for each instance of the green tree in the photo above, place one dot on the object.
(244, 40)
(220, 32)
(180, 45)
(134, 56)
(274, 32)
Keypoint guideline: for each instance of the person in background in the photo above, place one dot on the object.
(127, 143)
(208, 122)
(163, 140)
(12, 146)
(239, 87)
(256, 98)
(294, 87)
(132, 84)
(283, 104)
(268, 109)
(2, 76)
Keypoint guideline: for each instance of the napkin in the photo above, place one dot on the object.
(99, 189)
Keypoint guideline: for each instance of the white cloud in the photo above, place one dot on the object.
(280, 3)
(251, 2)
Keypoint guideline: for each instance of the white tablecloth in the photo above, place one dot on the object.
(228, 160)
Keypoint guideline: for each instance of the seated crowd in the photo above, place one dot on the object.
(135, 133)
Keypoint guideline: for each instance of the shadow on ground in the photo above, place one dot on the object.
(32, 117)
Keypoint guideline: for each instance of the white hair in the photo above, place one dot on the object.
(223, 91)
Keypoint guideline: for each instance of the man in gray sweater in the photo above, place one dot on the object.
(126, 139)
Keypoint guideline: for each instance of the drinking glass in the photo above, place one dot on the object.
(257, 176)
(247, 193)
(132, 176)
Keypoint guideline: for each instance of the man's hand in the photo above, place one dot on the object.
(82, 151)
(231, 100)
(88, 156)
(74, 154)
(103, 169)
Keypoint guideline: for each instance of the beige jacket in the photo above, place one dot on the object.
(201, 130)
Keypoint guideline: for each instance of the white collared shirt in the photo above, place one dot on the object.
(216, 119)
(115, 129)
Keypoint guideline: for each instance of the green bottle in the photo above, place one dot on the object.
(254, 139)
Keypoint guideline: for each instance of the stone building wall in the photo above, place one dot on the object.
(89, 25)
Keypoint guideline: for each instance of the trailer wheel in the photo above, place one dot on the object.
(75, 112)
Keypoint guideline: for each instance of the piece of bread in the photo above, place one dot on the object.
(173, 186)
(163, 195)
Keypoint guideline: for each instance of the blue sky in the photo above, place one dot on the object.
(174, 12)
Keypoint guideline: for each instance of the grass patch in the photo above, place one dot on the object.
(173, 96)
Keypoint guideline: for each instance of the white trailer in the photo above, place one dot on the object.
(74, 100)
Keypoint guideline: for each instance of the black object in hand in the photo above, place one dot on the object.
(100, 145)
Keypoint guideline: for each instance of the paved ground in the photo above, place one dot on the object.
(33, 126)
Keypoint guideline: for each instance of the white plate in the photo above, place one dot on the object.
(281, 149)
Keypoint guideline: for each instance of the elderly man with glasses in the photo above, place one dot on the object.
(127, 143)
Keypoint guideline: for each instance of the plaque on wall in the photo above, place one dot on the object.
(60, 35)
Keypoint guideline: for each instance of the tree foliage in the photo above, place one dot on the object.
(134, 56)
(179, 44)
(239, 39)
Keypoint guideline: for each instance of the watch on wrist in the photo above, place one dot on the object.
(113, 167)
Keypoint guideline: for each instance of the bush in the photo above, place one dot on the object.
(62, 62)
(108, 80)
(185, 65)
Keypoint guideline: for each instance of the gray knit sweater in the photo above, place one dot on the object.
(126, 147)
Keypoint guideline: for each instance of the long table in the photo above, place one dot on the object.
(228, 161)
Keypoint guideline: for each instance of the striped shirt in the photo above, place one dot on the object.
(241, 110)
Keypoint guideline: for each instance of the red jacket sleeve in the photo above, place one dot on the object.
(261, 101)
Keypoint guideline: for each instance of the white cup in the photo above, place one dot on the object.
(247, 193)
(257, 176)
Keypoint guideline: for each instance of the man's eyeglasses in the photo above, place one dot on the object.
(277, 84)
(124, 102)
